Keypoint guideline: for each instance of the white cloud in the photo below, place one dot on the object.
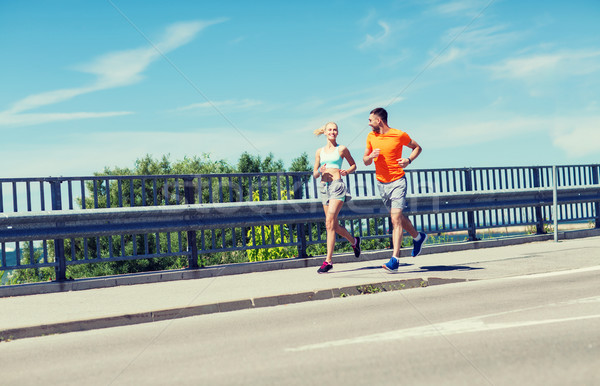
(485, 38)
(46, 98)
(378, 39)
(179, 34)
(230, 104)
(368, 19)
(579, 136)
(122, 68)
(564, 63)
(450, 55)
(525, 67)
(35, 119)
(237, 40)
(125, 67)
(460, 43)
(460, 7)
(464, 133)
(116, 69)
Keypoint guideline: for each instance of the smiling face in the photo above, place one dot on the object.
(331, 131)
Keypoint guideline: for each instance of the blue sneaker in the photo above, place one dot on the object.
(392, 265)
(418, 244)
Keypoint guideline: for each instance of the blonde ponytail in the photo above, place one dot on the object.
(320, 130)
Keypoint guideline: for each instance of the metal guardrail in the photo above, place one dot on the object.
(16, 227)
(69, 224)
(26, 198)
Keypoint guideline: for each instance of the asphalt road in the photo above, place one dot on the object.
(534, 330)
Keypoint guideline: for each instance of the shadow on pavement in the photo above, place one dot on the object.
(428, 268)
(368, 268)
(444, 268)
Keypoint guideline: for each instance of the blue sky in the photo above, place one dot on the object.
(88, 85)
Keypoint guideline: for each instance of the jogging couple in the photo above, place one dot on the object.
(384, 147)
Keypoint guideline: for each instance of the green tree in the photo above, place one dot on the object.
(301, 164)
(249, 163)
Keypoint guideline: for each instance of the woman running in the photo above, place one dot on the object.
(333, 192)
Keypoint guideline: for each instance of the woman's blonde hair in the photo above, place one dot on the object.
(321, 130)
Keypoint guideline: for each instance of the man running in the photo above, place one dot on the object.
(384, 145)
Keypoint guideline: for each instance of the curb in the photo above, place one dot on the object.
(205, 309)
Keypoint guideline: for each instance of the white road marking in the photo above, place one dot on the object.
(449, 328)
(553, 274)
(461, 326)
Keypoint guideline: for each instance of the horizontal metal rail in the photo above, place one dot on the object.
(63, 224)
(87, 192)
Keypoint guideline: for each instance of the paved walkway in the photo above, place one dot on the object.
(59, 312)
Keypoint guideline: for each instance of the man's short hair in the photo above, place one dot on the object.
(381, 113)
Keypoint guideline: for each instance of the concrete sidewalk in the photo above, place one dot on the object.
(59, 312)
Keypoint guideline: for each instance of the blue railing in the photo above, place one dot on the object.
(31, 195)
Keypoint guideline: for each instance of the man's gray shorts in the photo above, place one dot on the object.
(335, 189)
(393, 193)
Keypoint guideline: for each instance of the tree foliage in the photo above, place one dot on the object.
(249, 163)
(301, 164)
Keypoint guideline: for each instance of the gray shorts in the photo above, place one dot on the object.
(334, 190)
(393, 193)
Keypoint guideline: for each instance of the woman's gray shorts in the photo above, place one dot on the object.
(335, 189)
(393, 193)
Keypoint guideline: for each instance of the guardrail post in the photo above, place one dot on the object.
(539, 217)
(595, 176)
(555, 203)
(59, 244)
(188, 192)
(301, 227)
(471, 226)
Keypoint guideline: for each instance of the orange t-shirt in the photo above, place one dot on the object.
(390, 145)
